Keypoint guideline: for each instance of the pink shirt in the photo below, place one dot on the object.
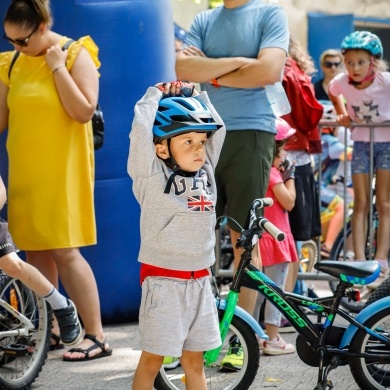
(369, 105)
(273, 251)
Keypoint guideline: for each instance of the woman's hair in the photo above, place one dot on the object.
(330, 53)
(301, 57)
(29, 13)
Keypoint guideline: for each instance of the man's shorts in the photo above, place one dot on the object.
(361, 157)
(6, 243)
(242, 173)
(177, 315)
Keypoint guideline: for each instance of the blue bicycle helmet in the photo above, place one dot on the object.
(363, 40)
(179, 115)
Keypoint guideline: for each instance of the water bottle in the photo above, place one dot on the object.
(278, 99)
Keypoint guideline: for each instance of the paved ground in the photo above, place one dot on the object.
(116, 372)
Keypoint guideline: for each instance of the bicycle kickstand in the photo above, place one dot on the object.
(323, 382)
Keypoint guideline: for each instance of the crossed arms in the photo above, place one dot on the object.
(235, 72)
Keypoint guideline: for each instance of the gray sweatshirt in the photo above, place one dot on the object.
(177, 229)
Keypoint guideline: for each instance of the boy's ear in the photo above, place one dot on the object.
(162, 151)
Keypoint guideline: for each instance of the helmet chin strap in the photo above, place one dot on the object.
(171, 163)
(370, 75)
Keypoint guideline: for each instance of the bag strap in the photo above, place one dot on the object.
(67, 44)
(17, 54)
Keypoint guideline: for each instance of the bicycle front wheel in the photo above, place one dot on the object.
(372, 373)
(218, 377)
(22, 357)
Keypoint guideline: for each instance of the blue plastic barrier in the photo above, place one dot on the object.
(136, 44)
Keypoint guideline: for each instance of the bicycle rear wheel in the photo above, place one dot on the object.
(217, 377)
(19, 370)
(372, 373)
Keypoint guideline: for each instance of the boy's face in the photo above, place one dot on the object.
(188, 150)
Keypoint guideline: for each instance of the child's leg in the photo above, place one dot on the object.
(383, 208)
(147, 370)
(361, 186)
(15, 267)
(272, 316)
(192, 363)
(336, 222)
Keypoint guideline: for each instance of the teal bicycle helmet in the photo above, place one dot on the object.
(363, 40)
(180, 115)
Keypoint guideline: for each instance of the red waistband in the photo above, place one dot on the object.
(151, 270)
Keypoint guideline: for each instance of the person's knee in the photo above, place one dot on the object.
(150, 364)
(12, 265)
(192, 362)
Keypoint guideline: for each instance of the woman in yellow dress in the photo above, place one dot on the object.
(47, 101)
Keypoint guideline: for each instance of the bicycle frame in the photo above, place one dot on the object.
(29, 327)
(290, 304)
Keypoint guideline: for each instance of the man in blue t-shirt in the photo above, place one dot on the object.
(234, 51)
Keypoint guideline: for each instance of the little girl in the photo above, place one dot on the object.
(366, 90)
(277, 255)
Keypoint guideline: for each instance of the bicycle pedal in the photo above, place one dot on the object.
(15, 350)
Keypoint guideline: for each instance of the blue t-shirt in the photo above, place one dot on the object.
(240, 32)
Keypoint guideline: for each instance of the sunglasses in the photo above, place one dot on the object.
(20, 42)
(329, 64)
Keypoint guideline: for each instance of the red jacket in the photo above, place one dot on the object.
(306, 111)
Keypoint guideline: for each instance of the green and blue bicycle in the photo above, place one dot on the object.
(363, 344)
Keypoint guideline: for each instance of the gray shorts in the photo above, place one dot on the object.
(6, 243)
(177, 315)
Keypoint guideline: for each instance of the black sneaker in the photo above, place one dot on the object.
(69, 324)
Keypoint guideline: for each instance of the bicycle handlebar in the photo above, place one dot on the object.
(271, 229)
(263, 202)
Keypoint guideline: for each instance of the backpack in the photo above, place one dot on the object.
(97, 118)
(306, 111)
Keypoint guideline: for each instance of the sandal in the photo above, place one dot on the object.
(57, 342)
(97, 344)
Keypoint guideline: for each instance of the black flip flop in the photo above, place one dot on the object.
(57, 342)
(97, 344)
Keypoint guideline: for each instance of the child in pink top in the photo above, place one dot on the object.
(277, 255)
(365, 88)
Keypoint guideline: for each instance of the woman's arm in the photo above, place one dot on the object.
(77, 89)
(3, 107)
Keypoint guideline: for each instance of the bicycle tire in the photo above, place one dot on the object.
(19, 372)
(382, 291)
(218, 379)
(337, 254)
(372, 374)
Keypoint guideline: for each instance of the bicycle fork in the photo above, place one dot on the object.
(212, 355)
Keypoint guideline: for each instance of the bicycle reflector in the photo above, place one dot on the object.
(353, 294)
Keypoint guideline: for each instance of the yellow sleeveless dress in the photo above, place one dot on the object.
(51, 157)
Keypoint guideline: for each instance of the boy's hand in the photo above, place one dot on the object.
(287, 168)
(177, 88)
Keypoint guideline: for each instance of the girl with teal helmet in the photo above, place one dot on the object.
(364, 40)
(361, 95)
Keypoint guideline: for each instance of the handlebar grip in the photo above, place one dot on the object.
(272, 229)
(262, 202)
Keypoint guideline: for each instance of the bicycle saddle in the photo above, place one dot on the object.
(344, 270)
